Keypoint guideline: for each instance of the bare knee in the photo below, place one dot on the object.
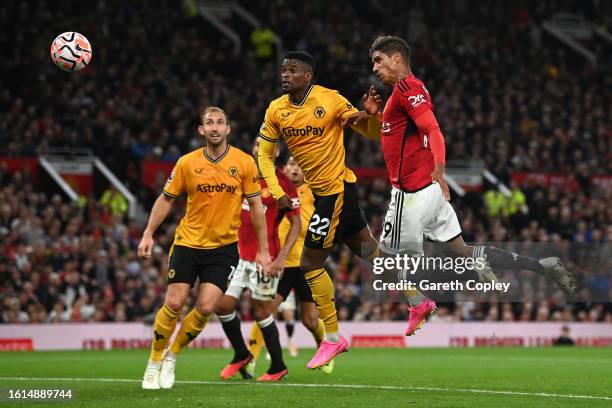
(226, 305)
(175, 301)
(261, 311)
(313, 259)
(205, 308)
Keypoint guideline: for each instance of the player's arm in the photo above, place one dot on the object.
(175, 186)
(427, 123)
(367, 125)
(295, 226)
(268, 137)
(159, 212)
(258, 220)
(366, 122)
(295, 221)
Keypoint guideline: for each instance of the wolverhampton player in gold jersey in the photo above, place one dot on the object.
(309, 119)
(216, 178)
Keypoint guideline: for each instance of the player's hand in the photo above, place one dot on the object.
(372, 102)
(284, 203)
(262, 260)
(146, 246)
(354, 119)
(438, 177)
(277, 267)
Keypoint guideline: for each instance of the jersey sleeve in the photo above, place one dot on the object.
(343, 107)
(413, 99)
(292, 192)
(175, 185)
(269, 129)
(250, 180)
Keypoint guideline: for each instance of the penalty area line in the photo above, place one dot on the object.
(349, 386)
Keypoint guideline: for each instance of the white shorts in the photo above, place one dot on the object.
(412, 215)
(289, 303)
(247, 275)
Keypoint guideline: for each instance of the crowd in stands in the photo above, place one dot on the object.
(507, 96)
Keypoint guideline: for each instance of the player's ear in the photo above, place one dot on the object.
(309, 75)
(201, 130)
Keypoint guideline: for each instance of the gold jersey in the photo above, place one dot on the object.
(306, 209)
(311, 129)
(215, 190)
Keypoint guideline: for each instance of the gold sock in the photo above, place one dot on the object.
(192, 325)
(322, 289)
(165, 322)
(319, 332)
(256, 340)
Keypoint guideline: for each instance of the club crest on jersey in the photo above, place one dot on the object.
(233, 171)
(285, 115)
(319, 112)
(199, 171)
(386, 127)
(171, 273)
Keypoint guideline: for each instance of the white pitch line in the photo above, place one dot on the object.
(353, 386)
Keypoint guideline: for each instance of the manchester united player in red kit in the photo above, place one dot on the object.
(263, 287)
(414, 152)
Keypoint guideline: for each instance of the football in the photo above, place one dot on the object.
(71, 51)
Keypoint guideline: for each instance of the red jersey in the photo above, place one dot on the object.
(408, 157)
(247, 240)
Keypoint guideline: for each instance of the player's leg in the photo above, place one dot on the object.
(287, 309)
(192, 325)
(322, 288)
(262, 312)
(163, 328)
(182, 274)
(214, 269)
(495, 258)
(324, 229)
(297, 288)
(230, 321)
(403, 229)
(263, 293)
(445, 228)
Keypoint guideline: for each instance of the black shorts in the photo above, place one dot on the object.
(335, 217)
(293, 278)
(210, 265)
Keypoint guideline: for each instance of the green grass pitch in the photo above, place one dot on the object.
(505, 377)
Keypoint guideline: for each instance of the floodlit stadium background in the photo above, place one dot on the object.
(522, 94)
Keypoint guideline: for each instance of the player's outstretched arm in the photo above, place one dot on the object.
(265, 160)
(366, 122)
(258, 220)
(159, 212)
